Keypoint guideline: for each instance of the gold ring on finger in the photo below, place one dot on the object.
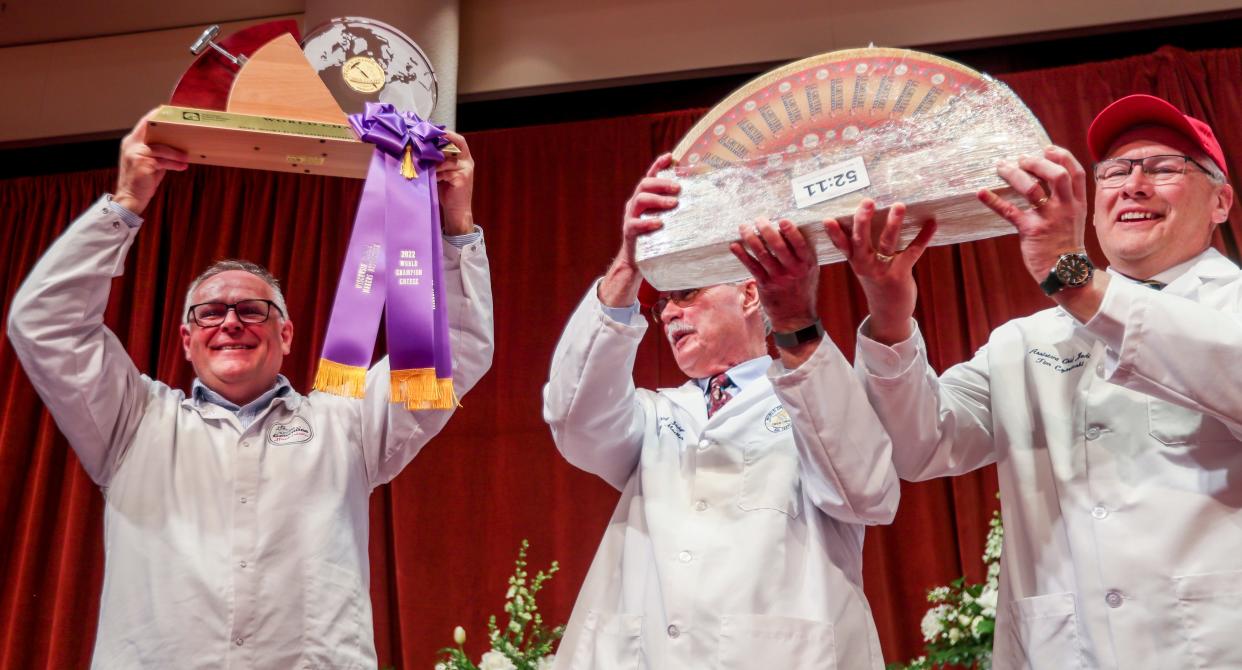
(1041, 202)
(883, 258)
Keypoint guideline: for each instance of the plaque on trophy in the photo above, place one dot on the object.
(811, 139)
(260, 99)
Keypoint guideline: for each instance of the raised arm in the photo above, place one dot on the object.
(590, 402)
(78, 366)
(938, 426)
(395, 435)
(1159, 343)
(847, 470)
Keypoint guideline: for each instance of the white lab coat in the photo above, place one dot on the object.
(737, 541)
(226, 546)
(1120, 465)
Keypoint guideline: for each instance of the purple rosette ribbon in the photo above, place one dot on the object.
(393, 267)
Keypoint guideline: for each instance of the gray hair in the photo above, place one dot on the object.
(763, 313)
(229, 265)
(1213, 171)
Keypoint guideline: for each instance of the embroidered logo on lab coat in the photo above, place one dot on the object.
(296, 431)
(777, 420)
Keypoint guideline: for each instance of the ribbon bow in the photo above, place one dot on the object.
(402, 135)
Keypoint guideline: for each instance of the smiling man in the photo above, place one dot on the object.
(745, 491)
(1114, 419)
(235, 520)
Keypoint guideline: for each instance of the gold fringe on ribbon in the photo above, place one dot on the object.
(338, 379)
(419, 389)
(407, 164)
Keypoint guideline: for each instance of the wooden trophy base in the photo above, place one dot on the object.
(261, 142)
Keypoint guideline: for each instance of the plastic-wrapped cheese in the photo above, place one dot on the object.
(810, 140)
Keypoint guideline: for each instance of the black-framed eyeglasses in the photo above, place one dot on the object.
(1161, 169)
(212, 314)
(682, 298)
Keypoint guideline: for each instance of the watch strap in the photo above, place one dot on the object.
(1052, 283)
(801, 336)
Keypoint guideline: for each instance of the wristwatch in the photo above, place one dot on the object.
(790, 340)
(1072, 270)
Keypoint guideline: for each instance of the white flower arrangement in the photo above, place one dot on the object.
(525, 643)
(959, 626)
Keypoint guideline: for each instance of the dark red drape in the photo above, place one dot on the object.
(445, 532)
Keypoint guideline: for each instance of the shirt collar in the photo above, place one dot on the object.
(200, 393)
(1209, 263)
(742, 374)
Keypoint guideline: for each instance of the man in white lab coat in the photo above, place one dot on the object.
(1114, 418)
(235, 519)
(737, 541)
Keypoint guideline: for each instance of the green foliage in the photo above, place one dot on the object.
(525, 642)
(959, 627)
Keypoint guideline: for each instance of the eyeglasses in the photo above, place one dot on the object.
(212, 314)
(1162, 169)
(682, 298)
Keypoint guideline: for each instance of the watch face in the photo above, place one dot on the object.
(1073, 269)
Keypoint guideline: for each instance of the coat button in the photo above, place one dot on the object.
(1113, 599)
(239, 641)
(685, 557)
(704, 444)
(701, 505)
(673, 632)
(1099, 512)
(1093, 432)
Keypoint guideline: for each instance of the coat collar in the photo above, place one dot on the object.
(1209, 265)
(211, 405)
(690, 396)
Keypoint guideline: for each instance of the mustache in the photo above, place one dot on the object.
(675, 328)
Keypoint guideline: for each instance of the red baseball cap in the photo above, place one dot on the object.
(1141, 110)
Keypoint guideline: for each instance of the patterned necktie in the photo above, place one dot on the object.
(717, 396)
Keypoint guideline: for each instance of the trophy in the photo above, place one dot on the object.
(809, 140)
(261, 99)
(351, 100)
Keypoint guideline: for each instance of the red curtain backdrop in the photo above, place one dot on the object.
(443, 535)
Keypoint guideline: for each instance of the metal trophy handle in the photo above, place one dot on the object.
(207, 39)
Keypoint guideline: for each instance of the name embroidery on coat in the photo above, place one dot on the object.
(1061, 364)
(669, 423)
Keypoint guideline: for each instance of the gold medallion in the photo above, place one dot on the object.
(363, 74)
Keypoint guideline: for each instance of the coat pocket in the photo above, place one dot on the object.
(1176, 425)
(332, 620)
(770, 477)
(1047, 628)
(610, 641)
(749, 641)
(1209, 609)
